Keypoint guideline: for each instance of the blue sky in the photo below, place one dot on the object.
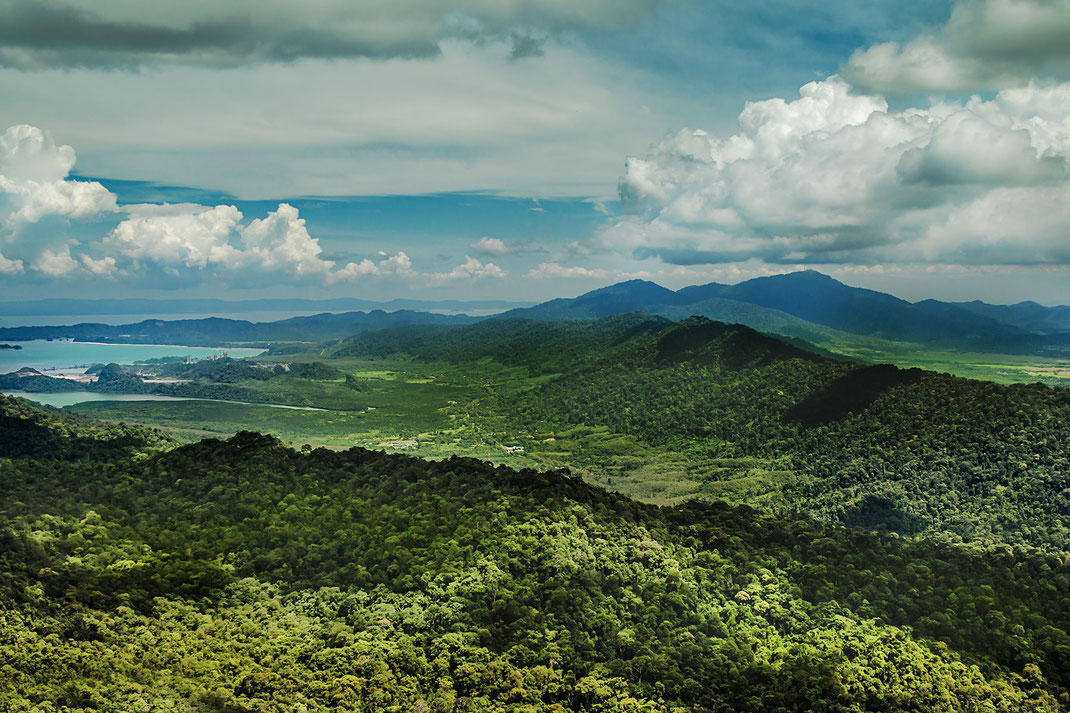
(475, 149)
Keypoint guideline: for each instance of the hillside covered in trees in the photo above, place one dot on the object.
(246, 576)
(897, 450)
(31, 431)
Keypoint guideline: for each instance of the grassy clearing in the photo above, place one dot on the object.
(439, 410)
(1000, 368)
(436, 410)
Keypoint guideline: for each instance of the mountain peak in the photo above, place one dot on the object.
(800, 277)
(631, 287)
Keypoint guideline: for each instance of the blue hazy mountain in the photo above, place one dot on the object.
(814, 306)
(1027, 315)
(216, 331)
(64, 306)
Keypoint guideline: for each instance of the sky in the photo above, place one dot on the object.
(530, 149)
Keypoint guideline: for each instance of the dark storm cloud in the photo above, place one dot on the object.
(42, 34)
(985, 45)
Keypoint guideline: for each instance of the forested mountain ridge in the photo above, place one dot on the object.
(816, 307)
(245, 576)
(1028, 315)
(28, 430)
(806, 305)
(650, 298)
(889, 449)
(541, 346)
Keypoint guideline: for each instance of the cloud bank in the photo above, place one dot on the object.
(40, 205)
(40, 34)
(834, 176)
(985, 45)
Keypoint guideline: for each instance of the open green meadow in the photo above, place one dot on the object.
(435, 409)
(395, 405)
(438, 410)
(1000, 368)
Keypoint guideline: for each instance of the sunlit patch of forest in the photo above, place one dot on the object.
(244, 575)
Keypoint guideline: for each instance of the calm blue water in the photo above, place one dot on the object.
(70, 398)
(53, 320)
(75, 357)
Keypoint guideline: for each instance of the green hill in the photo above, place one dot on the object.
(28, 430)
(245, 576)
(897, 450)
(542, 347)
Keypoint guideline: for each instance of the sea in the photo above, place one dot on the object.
(60, 356)
(70, 398)
(59, 320)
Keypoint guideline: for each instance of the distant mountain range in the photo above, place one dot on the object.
(816, 307)
(804, 305)
(61, 306)
(215, 331)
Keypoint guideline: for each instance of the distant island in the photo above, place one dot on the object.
(10, 346)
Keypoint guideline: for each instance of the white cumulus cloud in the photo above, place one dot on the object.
(549, 270)
(385, 264)
(34, 184)
(470, 269)
(834, 176)
(56, 263)
(490, 246)
(175, 242)
(103, 267)
(497, 246)
(195, 238)
(201, 237)
(281, 241)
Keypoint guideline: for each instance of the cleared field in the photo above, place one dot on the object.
(437, 410)
(1000, 368)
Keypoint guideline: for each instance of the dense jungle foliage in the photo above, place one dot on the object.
(543, 347)
(31, 431)
(888, 449)
(226, 370)
(246, 576)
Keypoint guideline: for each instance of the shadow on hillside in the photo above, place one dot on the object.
(851, 393)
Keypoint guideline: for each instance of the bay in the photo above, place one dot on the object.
(60, 399)
(70, 319)
(67, 357)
